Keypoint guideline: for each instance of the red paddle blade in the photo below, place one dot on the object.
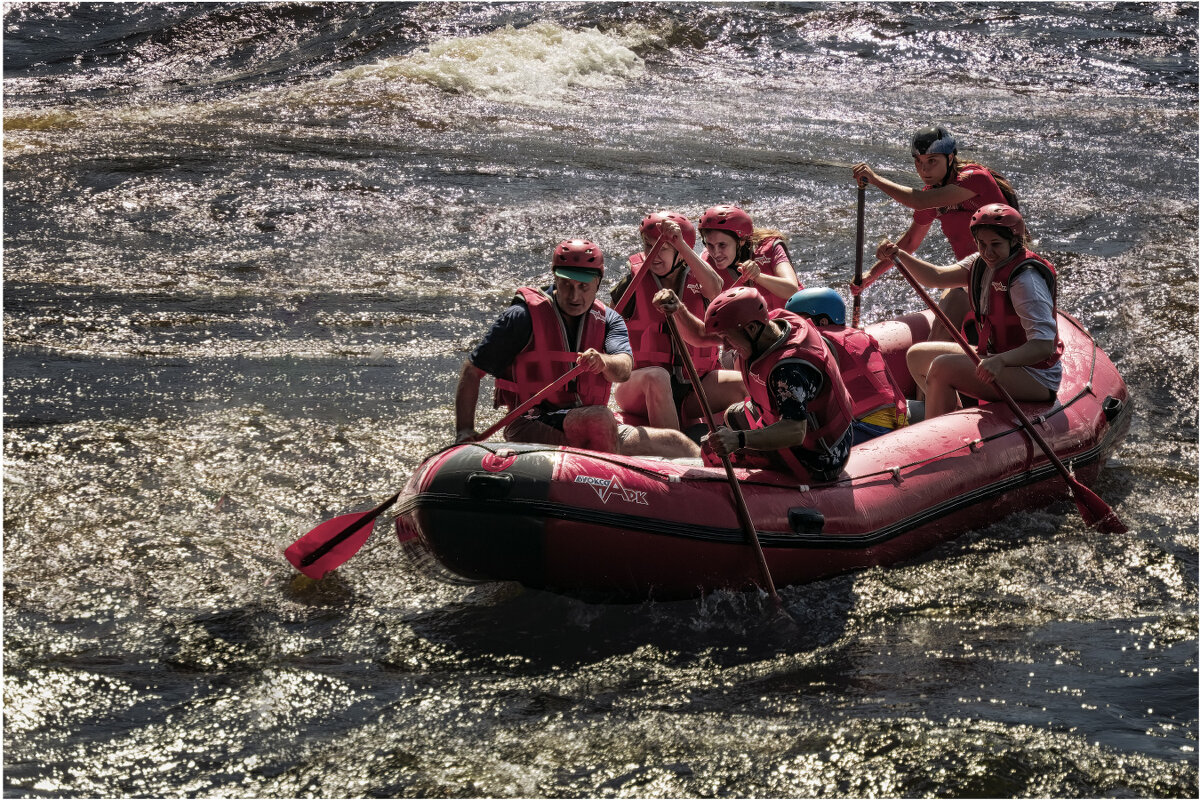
(330, 544)
(1096, 512)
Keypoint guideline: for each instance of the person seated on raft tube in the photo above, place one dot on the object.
(1013, 292)
(877, 400)
(798, 411)
(735, 248)
(546, 332)
(660, 388)
(953, 191)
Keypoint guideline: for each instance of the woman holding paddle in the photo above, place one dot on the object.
(743, 254)
(660, 388)
(953, 191)
(1012, 291)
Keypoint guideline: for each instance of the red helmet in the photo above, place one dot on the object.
(652, 226)
(578, 260)
(734, 309)
(730, 219)
(1001, 216)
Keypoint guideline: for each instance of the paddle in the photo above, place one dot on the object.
(858, 250)
(332, 543)
(630, 290)
(1095, 512)
(530, 403)
(739, 501)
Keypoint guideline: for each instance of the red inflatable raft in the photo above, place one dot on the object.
(595, 524)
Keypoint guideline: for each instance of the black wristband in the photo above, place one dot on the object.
(741, 440)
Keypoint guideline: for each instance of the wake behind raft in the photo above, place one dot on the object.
(606, 526)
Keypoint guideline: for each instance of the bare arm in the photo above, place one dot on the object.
(710, 282)
(946, 277)
(690, 327)
(915, 199)
(908, 242)
(777, 436)
(615, 368)
(466, 396)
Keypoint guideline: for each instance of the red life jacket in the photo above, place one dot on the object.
(548, 355)
(763, 256)
(829, 413)
(1000, 330)
(956, 219)
(648, 332)
(865, 373)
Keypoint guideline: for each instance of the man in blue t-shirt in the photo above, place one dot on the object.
(516, 349)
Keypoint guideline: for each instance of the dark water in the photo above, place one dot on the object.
(247, 248)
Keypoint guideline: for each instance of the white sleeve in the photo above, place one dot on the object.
(1031, 298)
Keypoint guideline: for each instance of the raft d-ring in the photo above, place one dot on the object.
(895, 473)
(973, 444)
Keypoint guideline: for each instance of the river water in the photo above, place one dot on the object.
(247, 247)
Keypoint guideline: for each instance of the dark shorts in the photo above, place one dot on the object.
(538, 426)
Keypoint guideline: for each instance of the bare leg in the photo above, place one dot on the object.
(722, 387)
(921, 355)
(592, 428)
(956, 305)
(647, 441)
(648, 393)
(951, 374)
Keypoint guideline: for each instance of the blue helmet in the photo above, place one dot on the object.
(814, 302)
(935, 140)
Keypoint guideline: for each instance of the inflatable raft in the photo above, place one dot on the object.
(601, 525)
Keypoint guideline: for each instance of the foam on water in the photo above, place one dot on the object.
(536, 64)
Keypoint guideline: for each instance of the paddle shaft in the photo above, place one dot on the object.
(531, 402)
(1071, 480)
(739, 501)
(347, 532)
(631, 289)
(858, 250)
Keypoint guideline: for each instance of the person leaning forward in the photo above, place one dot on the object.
(799, 413)
(542, 335)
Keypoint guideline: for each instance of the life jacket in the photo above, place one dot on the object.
(763, 256)
(649, 334)
(956, 219)
(548, 355)
(1000, 329)
(829, 413)
(865, 373)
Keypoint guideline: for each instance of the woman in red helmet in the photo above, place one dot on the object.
(659, 389)
(799, 412)
(737, 249)
(954, 190)
(1013, 292)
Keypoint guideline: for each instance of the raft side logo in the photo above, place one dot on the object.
(610, 487)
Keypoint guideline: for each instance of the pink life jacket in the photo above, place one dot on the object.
(829, 413)
(956, 220)
(1001, 330)
(764, 256)
(648, 332)
(548, 355)
(868, 380)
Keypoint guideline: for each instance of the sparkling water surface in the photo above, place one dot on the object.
(247, 247)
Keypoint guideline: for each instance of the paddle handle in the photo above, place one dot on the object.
(974, 356)
(858, 251)
(739, 501)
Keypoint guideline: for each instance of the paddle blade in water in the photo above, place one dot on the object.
(1095, 511)
(330, 544)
